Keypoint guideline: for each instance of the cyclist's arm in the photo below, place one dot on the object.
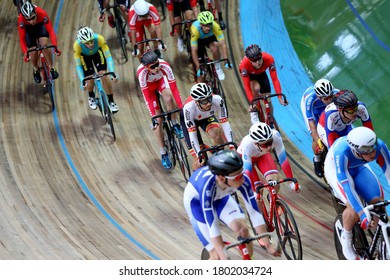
(48, 25)
(100, 5)
(77, 59)
(189, 121)
(172, 83)
(313, 130)
(194, 45)
(364, 115)
(22, 34)
(216, 29)
(222, 116)
(106, 51)
(281, 153)
(246, 79)
(383, 159)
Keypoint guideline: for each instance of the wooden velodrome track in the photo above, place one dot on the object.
(69, 192)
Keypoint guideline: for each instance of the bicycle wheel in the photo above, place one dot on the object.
(168, 143)
(204, 255)
(120, 26)
(107, 114)
(49, 84)
(287, 231)
(221, 92)
(384, 253)
(337, 228)
(182, 158)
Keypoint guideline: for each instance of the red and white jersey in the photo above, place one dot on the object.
(135, 20)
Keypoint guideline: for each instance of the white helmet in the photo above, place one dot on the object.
(362, 140)
(260, 132)
(200, 91)
(85, 34)
(323, 88)
(27, 9)
(141, 7)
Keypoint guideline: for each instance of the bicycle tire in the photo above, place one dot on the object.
(168, 143)
(182, 158)
(384, 253)
(120, 26)
(48, 84)
(205, 255)
(107, 114)
(287, 231)
(337, 228)
(221, 92)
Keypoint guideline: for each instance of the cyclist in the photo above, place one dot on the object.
(253, 68)
(200, 110)
(313, 103)
(205, 32)
(207, 198)
(338, 118)
(218, 8)
(175, 10)
(156, 76)
(104, 4)
(348, 172)
(255, 149)
(91, 51)
(143, 14)
(34, 27)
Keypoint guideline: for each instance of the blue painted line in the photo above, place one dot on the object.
(369, 30)
(84, 186)
(262, 23)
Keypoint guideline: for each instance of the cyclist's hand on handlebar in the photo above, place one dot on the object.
(26, 57)
(295, 187)
(228, 66)
(57, 52)
(135, 53)
(365, 219)
(114, 79)
(283, 102)
(273, 183)
(162, 47)
(102, 17)
(198, 164)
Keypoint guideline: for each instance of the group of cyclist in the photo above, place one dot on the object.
(329, 114)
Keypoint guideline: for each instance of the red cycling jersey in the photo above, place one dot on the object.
(169, 3)
(247, 70)
(42, 17)
(151, 83)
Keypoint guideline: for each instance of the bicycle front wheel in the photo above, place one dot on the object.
(108, 115)
(287, 231)
(121, 32)
(182, 158)
(168, 143)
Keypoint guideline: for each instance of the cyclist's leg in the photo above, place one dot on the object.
(214, 131)
(253, 110)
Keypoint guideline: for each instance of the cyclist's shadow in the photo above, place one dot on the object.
(183, 68)
(95, 128)
(36, 97)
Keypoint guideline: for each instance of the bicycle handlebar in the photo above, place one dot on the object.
(98, 76)
(37, 49)
(214, 61)
(147, 41)
(242, 240)
(165, 114)
(111, 7)
(182, 23)
(259, 185)
(371, 207)
(266, 96)
(215, 148)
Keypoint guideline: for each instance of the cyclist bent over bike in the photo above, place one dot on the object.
(348, 172)
(34, 26)
(90, 51)
(207, 199)
(253, 68)
(200, 110)
(155, 76)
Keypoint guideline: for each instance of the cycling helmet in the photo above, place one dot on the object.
(205, 17)
(148, 58)
(27, 10)
(362, 140)
(346, 99)
(224, 162)
(260, 132)
(85, 34)
(141, 7)
(323, 88)
(200, 91)
(253, 51)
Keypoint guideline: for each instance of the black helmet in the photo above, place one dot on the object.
(346, 99)
(225, 162)
(149, 58)
(253, 52)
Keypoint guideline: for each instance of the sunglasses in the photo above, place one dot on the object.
(364, 150)
(326, 98)
(155, 65)
(206, 25)
(90, 42)
(206, 101)
(31, 18)
(237, 177)
(266, 144)
(256, 59)
(351, 111)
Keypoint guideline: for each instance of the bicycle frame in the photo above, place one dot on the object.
(263, 106)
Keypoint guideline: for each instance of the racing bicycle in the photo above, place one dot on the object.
(120, 26)
(102, 99)
(144, 46)
(43, 67)
(240, 244)
(373, 245)
(176, 150)
(279, 217)
(262, 105)
(185, 34)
